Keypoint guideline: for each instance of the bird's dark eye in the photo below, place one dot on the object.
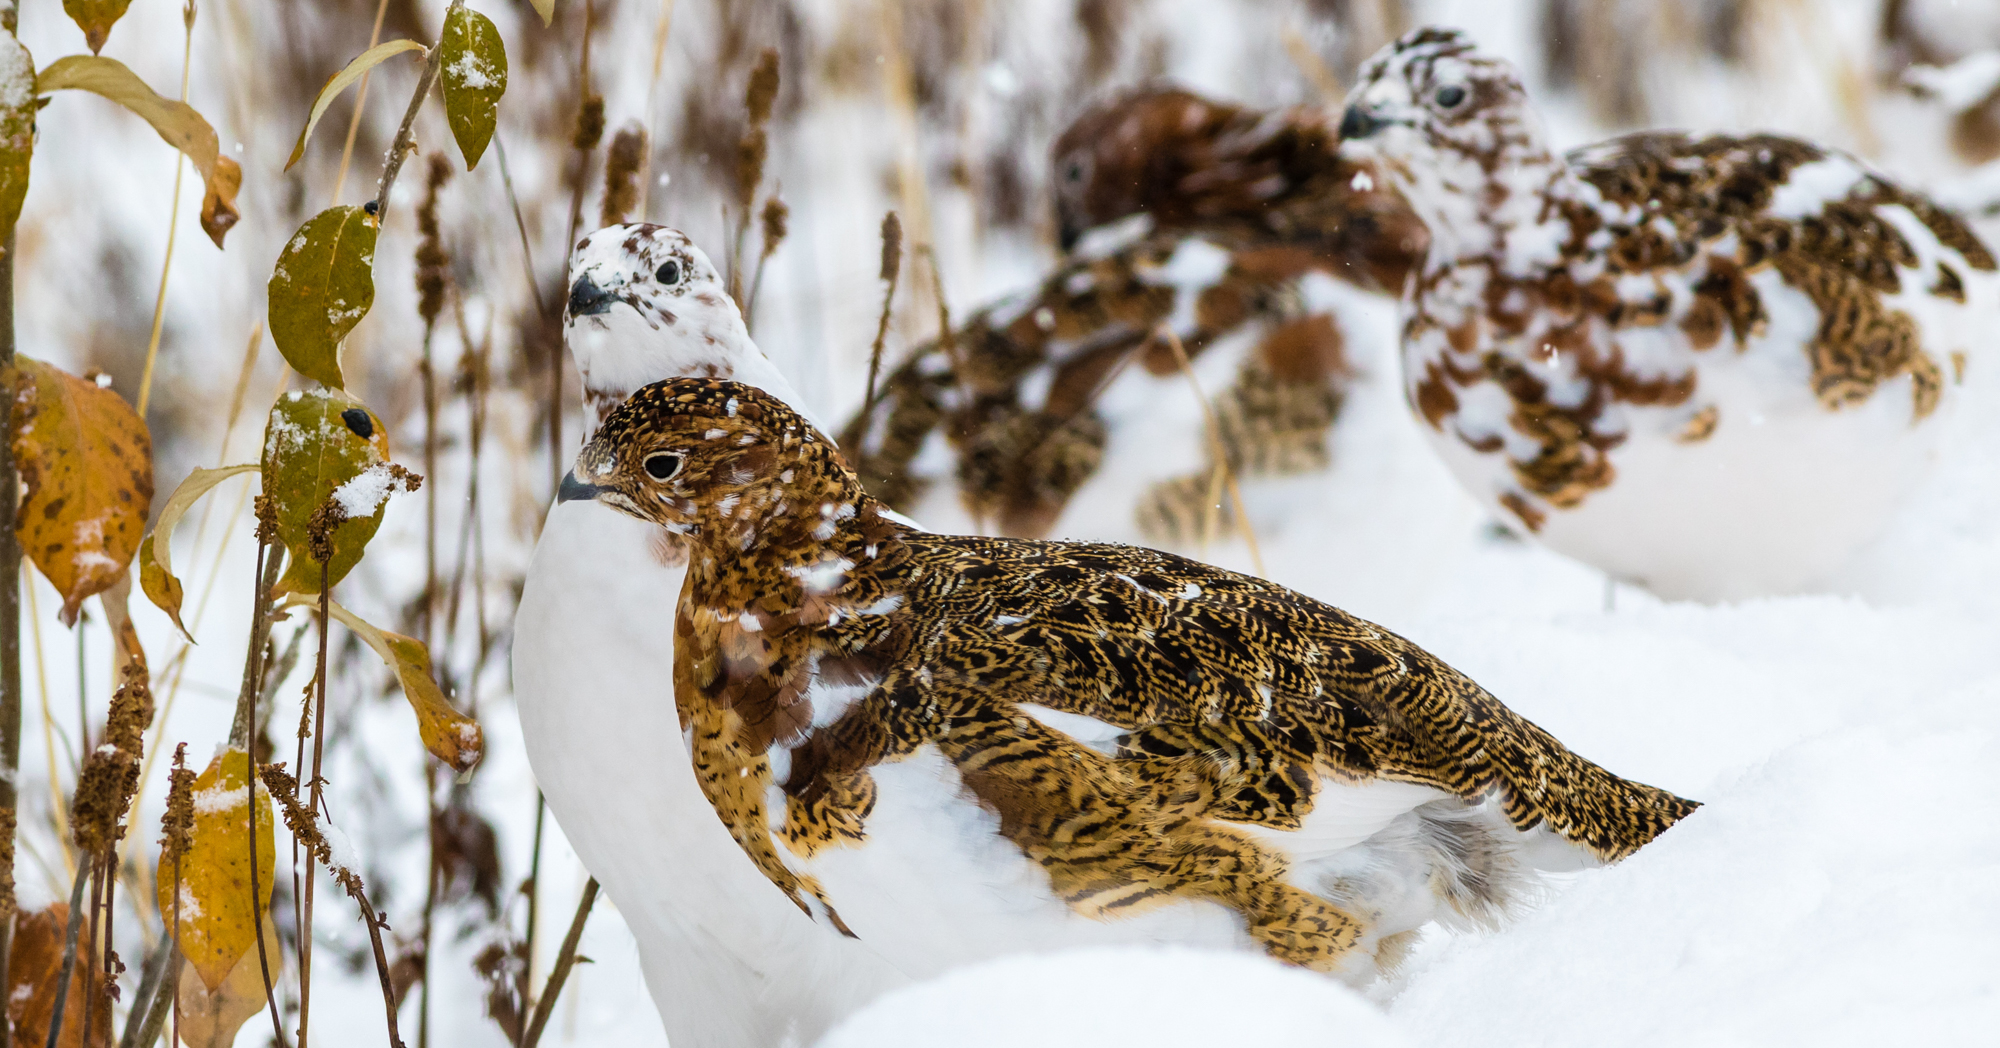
(669, 273)
(1449, 96)
(358, 421)
(1074, 172)
(661, 465)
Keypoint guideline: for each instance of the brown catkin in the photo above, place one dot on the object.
(177, 822)
(775, 217)
(110, 774)
(892, 247)
(589, 123)
(433, 263)
(621, 174)
(750, 154)
(762, 93)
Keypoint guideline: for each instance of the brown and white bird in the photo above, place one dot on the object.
(1710, 365)
(1244, 233)
(955, 748)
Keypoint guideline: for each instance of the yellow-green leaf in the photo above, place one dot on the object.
(322, 286)
(217, 914)
(156, 554)
(86, 465)
(369, 59)
(95, 18)
(316, 442)
(473, 67)
(449, 735)
(17, 127)
(545, 8)
(210, 1018)
(218, 202)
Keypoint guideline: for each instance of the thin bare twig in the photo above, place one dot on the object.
(892, 268)
(405, 136)
(69, 951)
(564, 962)
(360, 99)
(173, 227)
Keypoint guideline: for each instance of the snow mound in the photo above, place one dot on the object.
(1107, 998)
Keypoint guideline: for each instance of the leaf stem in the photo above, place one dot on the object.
(354, 120)
(319, 740)
(405, 136)
(564, 962)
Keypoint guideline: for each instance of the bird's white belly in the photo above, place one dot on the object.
(1783, 494)
(934, 885)
(729, 960)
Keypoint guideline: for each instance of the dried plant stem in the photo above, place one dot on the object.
(70, 936)
(892, 253)
(1302, 55)
(534, 898)
(565, 960)
(652, 89)
(584, 144)
(1215, 448)
(405, 136)
(268, 563)
(257, 901)
(148, 1001)
(173, 227)
(353, 120)
(521, 227)
(10, 628)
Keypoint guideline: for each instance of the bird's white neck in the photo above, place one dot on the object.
(1497, 206)
(623, 354)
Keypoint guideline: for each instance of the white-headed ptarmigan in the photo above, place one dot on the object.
(1712, 366)
(729, 960)
(957, 748)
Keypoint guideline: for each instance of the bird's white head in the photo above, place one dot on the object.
(1453, 128)
(645, 305)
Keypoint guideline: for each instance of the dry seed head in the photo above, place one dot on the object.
(621, 174)
(892, 246)
(433, 263)
(775, 216)
(763, 90)
(110, 774)
(589, 123)
(177, 822)
(750, 153)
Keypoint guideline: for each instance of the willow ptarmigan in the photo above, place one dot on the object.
(1251, 238)
(1709, 365)
(953, 748)
(726, 956)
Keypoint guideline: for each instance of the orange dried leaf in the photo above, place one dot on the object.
(33, 963)
(86, 465)
(210, 1018)
(322, 286)
(316, 442)
(449, 735)
(218, 204)
(95, 18)
(217, 914)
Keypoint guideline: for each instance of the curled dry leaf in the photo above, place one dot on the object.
(176, 121)
(33, 963)
(210, 1018)
(17, 127)
(339, 82)
(218, 204)
(156, 568)
(95, 18)
(321, 287)
(449, 735)
(87, 468)
(323, 444)
(473, 68)
(217, 915)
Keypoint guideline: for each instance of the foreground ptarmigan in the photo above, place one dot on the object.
(728, 959)
(1712, 366)
(954, 748)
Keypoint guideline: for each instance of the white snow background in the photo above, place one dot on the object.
(1838, 888)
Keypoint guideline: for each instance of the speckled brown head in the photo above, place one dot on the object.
(722, 463)
(1130, 155)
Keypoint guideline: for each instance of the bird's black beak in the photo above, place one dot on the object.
(573, 490)
(1358, 123)
(586, 298)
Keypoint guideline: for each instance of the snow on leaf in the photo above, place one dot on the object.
(17, 127)
(217, 919)
(474, 71)
(156, 569)
(368, 59)
(86, 466)
(322, 285)
(95, 18)
(315, 443)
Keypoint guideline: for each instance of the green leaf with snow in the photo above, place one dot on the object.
(86, 465)
(17, 127)
(328, 477)
(322, 286)
(473, 67)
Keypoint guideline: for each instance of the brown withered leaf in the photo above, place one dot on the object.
(86, 465)
(473, 75)
(217, 915)
(218, 203)
(33, 964)
(17, 127)
(449, 735)
(210, 1018)
(322, 285)
(95, 18)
